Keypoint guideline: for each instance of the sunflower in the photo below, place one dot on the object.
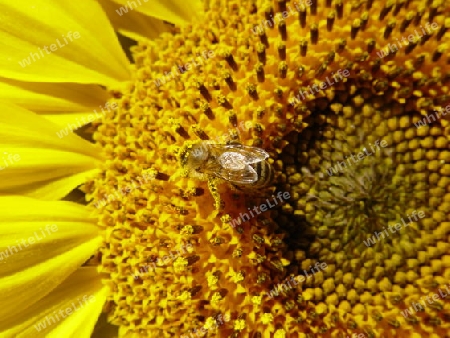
(352, 102)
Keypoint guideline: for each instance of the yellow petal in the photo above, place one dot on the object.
(41, 244)
(81, 324)
(30, 165)
(133, 24)
(59, 41)
(53, 189)
(53, 97)
(33, 155)
(20, 127)
(12, 210)
(174, 11)
(69, 311)
(71, 120)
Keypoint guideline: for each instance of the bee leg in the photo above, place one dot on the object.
(212, 185)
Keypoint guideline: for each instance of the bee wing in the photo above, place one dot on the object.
(251, 154)
(243, 176)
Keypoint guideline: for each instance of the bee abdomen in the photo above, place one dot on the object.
(265, 174)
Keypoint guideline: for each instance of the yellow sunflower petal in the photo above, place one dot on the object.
(54, 41)
(34, 154)
(82, 322)
(42, 243)
(174, 11)
(70, 120)
(70, 310)
(53, 189)
(53, 97)
(133, 24)
(31, 165)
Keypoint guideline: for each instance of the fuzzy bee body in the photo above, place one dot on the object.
(244, 167)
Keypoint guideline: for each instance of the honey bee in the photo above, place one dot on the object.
(244, 167)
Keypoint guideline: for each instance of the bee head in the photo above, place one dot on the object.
(193, 156)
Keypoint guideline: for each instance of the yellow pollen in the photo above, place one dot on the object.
(239, 325)
(266, 318)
